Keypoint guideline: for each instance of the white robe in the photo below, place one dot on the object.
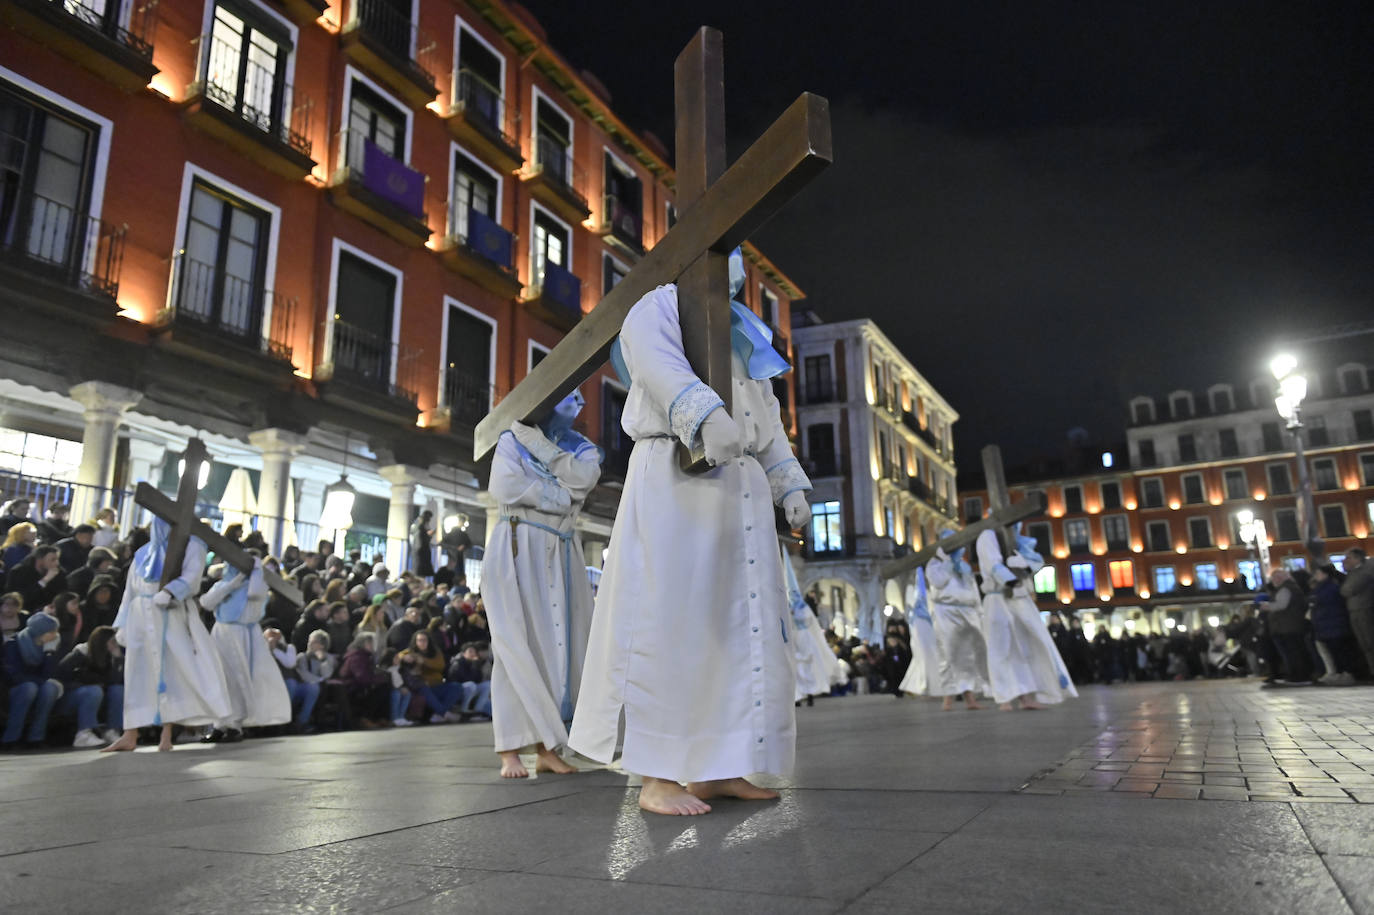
(257, 693)
(1021, 655)
(170, 646)
(538, 640)
(957, 621)
(817, 667)
(691, 632)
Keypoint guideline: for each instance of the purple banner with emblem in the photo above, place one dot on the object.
(392, 180)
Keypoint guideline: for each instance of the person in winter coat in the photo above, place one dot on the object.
(424, 661)
(369, 689)
(93, 676)
(1358, 591)
(73, 551)
(101, 605)
(100, 561)
(1286, 615)
(30, 669)
(1331, 628)
(38, 579)
(13, 619)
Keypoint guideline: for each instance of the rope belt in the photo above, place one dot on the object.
(566, 707)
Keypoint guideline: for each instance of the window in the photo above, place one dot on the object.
(1206, 576)
(475, 190)
(245, 66)
(1324, 474)
(1352, 379)
(1142, 412)
(1286, 524)
(1073, 499)
(1364, 424)
(1187, 448)
(1116, 532)
(1035, 494)
(820, 449)
(1152, 493)
(1369, 512)
(221, 266)
(1248, 573)
(537, 354)
(614, 440)
(1044, 541)
(1333, 521)
(1317, 435)
(480, 77)
(624, 202)
(39, 457)
(1280, 484)
(768, 304)
(1272, 440)
(468, 364)
(364, 302)
(671, 214)
(1076, 533)
(1147, 453)
(612, 272)
(1181, 406)
(1157, 537)
(1111, 495)
(1229, 447)
(372, 119)
(1123, 574)
(973, 509)
(1200, 532)
(1192, 489)
(1044, 581)
(826, 528)
(1338, 562)
(819, 385)
(1084, 581)
(889, 522)
(1294, 563)
(1235, 484)
(552, 245)
(1222, 401)
(1165, 580)
(1367, 468)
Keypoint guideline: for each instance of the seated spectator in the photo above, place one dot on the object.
(314, 617)
(368, 688)
(475, 628)
(15, 512)
(70, 625)
(30, 669)
(18, 544)
(1331, 628)
(443, 637)
(13, 619)
(379, 582)
(73, 551)
(290, 558)
(38, 578)
(303, 695)
(423, 660)
(466, 670)
(358, 601)
(335, 592)
(106, 527)
(100, 561)
(317, 665)
(101, 605)
(401, 692)
(93, 675)
(340, 632)
(54, 526)
(374, 621)
(399, 635)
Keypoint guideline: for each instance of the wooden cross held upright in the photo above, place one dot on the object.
(1000, 518)
(181, 515)
(720, 208)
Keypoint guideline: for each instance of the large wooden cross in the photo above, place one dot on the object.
(999, 519)
(181, 515)
(720, 208)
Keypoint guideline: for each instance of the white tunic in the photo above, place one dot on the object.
(817, 667)
(923, 674)
(1021, 655)
(955, 614)
(538, 598)
(690, 636)
(172, 673)
(257, 692)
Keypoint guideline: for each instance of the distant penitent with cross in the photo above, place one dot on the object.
(720, 208)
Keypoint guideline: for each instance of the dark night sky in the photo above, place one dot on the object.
(1049, 207)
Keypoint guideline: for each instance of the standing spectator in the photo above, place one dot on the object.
(369, 689)
(1106, 656)
(92, 675)
(421, 544)
(16, 511)
(54, 526)
(379, 582)
(30, 668)
(13, 619)
(38, 579)
(18, 544)
(1331, 628)
(73, 551)
(1286, 616)
(303, 695)
(100, 561)
(1358, 591)
(106, 528)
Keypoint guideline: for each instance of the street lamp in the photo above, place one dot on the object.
(1256, 539)
(1292, 391)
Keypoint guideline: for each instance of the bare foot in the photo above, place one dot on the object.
(971, 702)
(512, 767)
(1005, 707)
(1030, 705)
(127, 742)
(548, 761)
(658, 795)
(164, 744)
(731, 787)
(948, 704)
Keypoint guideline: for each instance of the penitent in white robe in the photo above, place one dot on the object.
(538, 598)
(1021, 655)
(817, 667)
(923, 673)
(691, 637)
(172, 673)
(955, 612)
(257, 693)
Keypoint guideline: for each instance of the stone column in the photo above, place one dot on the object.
(309, 508)
(403, 479)
(593, 549)
(105, 405)
(278, 447)
(145, 466)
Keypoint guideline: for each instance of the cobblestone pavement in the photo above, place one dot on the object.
(895, 806)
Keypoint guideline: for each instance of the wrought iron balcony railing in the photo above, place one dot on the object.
(59, 243)
(207, 297)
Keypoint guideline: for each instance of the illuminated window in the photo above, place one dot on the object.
(1294, 563)
(826, 529)
(1337, 562)
(1076, 532)
(1083, 578)
(1248, 570)
(1123, 574)
(1165, 580)
(1206, 576)
(1045, 580)
(38, 456)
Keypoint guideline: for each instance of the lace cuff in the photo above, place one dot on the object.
(689, 409)
(787, 477)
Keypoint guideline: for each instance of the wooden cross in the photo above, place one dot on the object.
(1000, 517)
(181, 515)
(720, 208)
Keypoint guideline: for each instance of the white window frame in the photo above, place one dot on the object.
(1154, 579)
(1102, 494)
(1125, 520)
(207, 24)
(529, 266)
(1244, 482)
(1364, 377)
(1269, 480)
(608, 256)
(451, 302)
(1174, 398)
(1183, 487)
(352, 73)
(1211, 543)
(1197, 575)
(1216, 389)
(189, 173)
(1366, 460)
(1275, 532)
(1335, 473)
(530, 347)
(1168, 536)
(456, 147)
(1049, 534)
(1068, 541)
(1259, 388)
(535, 95)
(977, 499)
(1147, 402)
(1345, 520)
(459, 26)
(339, 245)
(764, 292)
(414, 20)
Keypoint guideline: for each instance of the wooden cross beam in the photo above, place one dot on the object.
(181, 515)
(1000, 518)
(721, 208)
(998, 494)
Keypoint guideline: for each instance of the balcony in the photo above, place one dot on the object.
(557, 300)
(622, 225)
(52, 256)
(811, 394)
(478, 248)
(227, 321)
(477, 119)
(465, 398)
(381, 191)
(364, 371)
(304, 12)
(554, 180)
(123, 45)
(247, 108)
(382, 40)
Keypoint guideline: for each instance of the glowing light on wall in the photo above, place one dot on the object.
(1259, 495)
(1175, 505)
(1066, 601)
(1061, 554)
(1181, 548)
(1137, 548)
(1056, 513)
(1352, 483)
(1216, 500)
(1223, 544)
(1130, 506)
(1105, 595)
(162, 85)
(1186, 581)
(1144, 595)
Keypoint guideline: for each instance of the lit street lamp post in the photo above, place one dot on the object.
(1256, 540)
(1292, 390)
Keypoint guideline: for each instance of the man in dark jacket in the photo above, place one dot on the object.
(1286, 616)
(17, 512)
(73, 551)
(1358, 591)
(54, 526)
(100, 561)
(101, 605)
(30, 669)
(398, 636)
(38, 579)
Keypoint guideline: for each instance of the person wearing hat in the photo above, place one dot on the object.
(30, 667)
(380, 580)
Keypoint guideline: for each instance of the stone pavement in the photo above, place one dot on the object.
(895, 806)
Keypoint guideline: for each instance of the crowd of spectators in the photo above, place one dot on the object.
(364, 651)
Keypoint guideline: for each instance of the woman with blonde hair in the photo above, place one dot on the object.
(106, 528)
(19, 543)
(373, 621)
